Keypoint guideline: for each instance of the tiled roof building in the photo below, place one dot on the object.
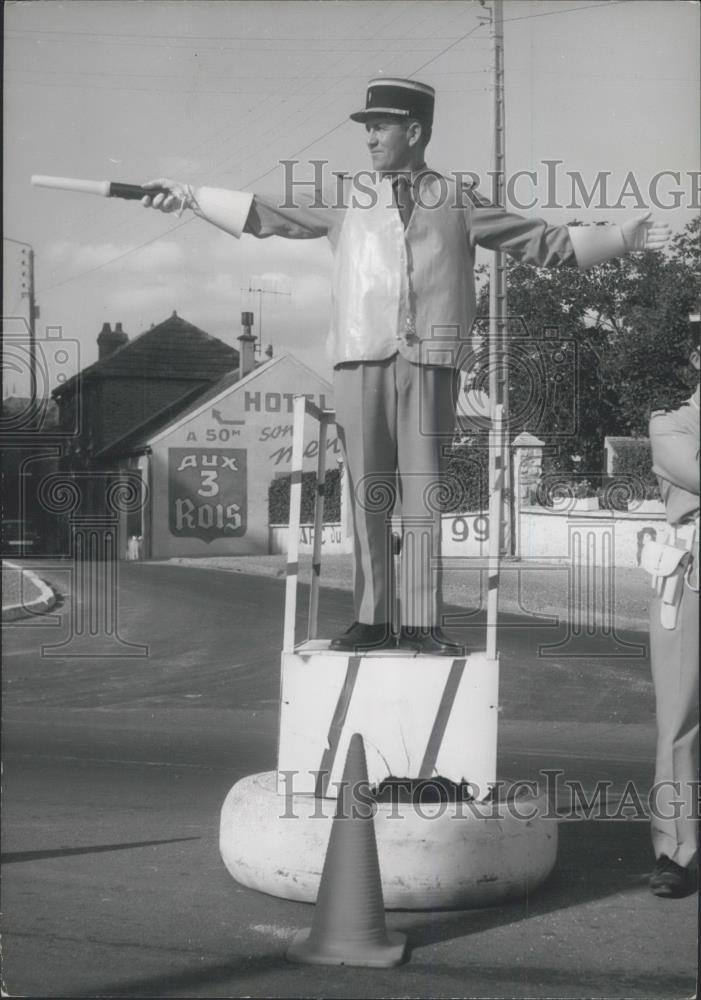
(166, 367)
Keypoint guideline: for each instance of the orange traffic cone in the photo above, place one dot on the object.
(349, 918)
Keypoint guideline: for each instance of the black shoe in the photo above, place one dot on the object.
(671, 880)
(432, 641)
(361, 638)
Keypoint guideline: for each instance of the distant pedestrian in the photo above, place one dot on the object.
(644, 536)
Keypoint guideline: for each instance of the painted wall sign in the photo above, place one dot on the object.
(211, 470)
(207, 492)
(283, 455)
(277, 402)
(464, 526)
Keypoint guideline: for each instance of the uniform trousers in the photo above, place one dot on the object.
(674, 655)
(395, 421)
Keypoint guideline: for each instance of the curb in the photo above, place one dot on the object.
(244, 568)
(44, 602)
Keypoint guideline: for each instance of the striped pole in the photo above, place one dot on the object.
(497, 464)
(395, 561)
(293, 532)
(324, 421)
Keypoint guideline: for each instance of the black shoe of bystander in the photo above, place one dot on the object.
(671, 880)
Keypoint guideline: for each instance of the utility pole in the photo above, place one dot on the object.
(261, 292)
(33, 313)
(498, 310)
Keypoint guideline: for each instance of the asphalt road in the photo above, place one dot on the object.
(115, 769)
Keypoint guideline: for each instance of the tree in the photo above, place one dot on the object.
(591, 353)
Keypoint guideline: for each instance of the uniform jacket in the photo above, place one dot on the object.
(409, 290)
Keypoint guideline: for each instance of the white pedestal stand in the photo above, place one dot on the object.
(428, 719)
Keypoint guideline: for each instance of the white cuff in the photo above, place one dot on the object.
(226, 209)
(595, 244)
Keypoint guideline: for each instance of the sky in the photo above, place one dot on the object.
(219, 93)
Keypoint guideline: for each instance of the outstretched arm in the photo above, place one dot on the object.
(239, 212)
(596, 244)
(533, 241)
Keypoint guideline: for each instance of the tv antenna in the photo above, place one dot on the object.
(260, 292)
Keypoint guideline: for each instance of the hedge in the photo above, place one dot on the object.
(279, 498)
(464, 488)
(466, 482)
(631, 470)
(465, 485)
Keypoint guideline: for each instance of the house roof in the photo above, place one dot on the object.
(221, 389)
(179, 412)
(132, 440)
(172, 349)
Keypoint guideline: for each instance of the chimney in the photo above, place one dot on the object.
(108, 340)
(248, 346)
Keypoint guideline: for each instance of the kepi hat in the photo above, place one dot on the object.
(394, 96)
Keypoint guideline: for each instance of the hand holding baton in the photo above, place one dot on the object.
(228, 210)
(107, 189)
(163, 189)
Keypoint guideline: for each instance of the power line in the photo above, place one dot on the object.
(187, 222)
(566, 10)
(245, 40)
(217, 136)
(446, 49)
(343, 122)
(121, 256)
(329, 131)
(209, 93)
(339, 124)
(643, 77)
(271, 97)
(274, 130)
(209, 76)
(219, 38)
(245, 48)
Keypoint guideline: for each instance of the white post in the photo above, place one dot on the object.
(527, 457)
(498, 309)
(495, 509)
(346, 515)
(516, 473)
(318, 527)
(293, 531)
